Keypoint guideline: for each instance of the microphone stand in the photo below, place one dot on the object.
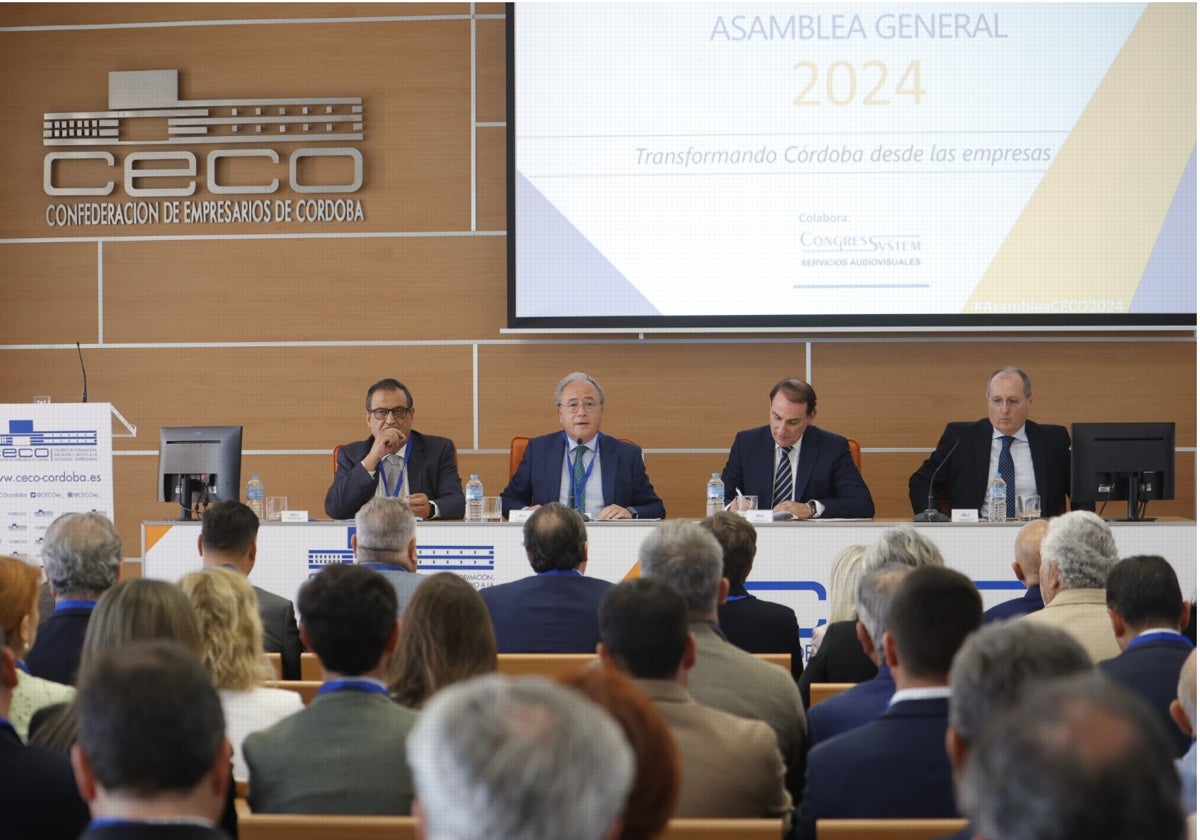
(932, 514)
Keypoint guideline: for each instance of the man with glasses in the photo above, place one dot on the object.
(602, 477)
(395, 461)
(1031, 458)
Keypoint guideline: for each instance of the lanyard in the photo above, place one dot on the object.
(1160, 636)
(400, 480)
(364, 684)
(74, 605)
(577, 489)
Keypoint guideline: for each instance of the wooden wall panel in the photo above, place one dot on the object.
(491, 73)
(74, 14)
(49, 293)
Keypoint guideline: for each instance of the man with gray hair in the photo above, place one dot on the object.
(602, 477)
(520, 758)
(81, 556)
(385, 539)
(725, 677)
(867, 700)
(1183, 712)
(905, 545)
(1077, 555)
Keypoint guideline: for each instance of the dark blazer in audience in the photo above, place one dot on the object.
(852, 708)
(38, 797)
(55, 653)
(1151, 666)
(1028, 603)
(761, 626)
(553, 612)
(280, 633)
(839, 659)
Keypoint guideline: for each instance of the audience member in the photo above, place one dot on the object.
(229, 539)
(554, 610)
(841, 657)
(1036, 457)
(900, 757)
(350, 739)
(1148, 611)
(419, 469)
(231, 636)
(38, 798)
(1183, 712)
(869, 699)
(1075, 757)
(843, 584)
(655, 789)
(792, 466)
(385, 539)
(497, 757)
(1026, 567)
(445, 637)
(82, 556)
(152, 759)
(18, 620)
(991, 672)
(731, 765)
(752, 624)
(685, 556)
(1077, 554)
(601, 476)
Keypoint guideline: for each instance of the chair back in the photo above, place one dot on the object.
(307, 689)
(855, 453)
(252, 826)
(898, 829)
(823, 691)
(336, 450)
(715, 828)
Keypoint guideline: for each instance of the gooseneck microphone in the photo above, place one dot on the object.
(932, 514)
(82, 370)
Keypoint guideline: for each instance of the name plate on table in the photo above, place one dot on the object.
(519, 515)
(293, 516)
(964, 515)
(759, 517)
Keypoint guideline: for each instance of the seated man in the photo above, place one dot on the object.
(1027, 567)
(730, 765)
(600, 476)
(420, 469)
(793, 466)
(82, 556)
(554, 611)
(1006, 442)
(385, 539)
(229, 538)
(152, 759)
(501, 758)
(753, 625)
(345, 753)
(1183, 712)
(1148, 612)
(896, 766)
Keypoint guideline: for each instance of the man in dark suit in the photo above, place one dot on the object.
(152, 760)
(1148, 611)
(554, 611)
(1040, 456)
(751, 624)
(229, 538)
(1027, 567)
(82, 557)
(421, 469)
(896, 765)
(38, 798)
(794, 467)
(598, 475)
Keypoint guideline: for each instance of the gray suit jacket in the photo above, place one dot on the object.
(403, 581)
(727, 678)
(280, 633)
(344, 754)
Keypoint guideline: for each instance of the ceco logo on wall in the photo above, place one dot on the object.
(262, 147)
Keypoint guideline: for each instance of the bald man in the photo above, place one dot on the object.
(1026, 566)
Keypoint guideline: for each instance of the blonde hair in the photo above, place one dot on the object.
(843, 583)
(230, 628)
(18, 594)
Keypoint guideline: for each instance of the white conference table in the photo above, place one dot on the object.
(792, 567)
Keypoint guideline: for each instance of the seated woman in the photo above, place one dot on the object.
(231, 636)
(19, 619)
(445, 636)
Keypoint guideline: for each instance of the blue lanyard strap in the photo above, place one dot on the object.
(364, 684)
(79, 604)
(1161, 636)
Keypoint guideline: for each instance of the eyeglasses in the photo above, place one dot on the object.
(588, 406)
(400, 412)
(1011, 402)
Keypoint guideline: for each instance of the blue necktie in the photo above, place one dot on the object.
(783, 477)
(1008, 471)
(577, 487)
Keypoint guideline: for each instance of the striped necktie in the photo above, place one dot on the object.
(783, 477)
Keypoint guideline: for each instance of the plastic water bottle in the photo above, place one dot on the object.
(997, 499)
(254, 497)
(714, 495)
(474, 499)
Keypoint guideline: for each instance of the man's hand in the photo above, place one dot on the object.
(418, 503)
(615, 512)
(387, 442)
(800, 510)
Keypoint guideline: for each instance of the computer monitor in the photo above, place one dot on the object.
(1122, 462)
(198, 465)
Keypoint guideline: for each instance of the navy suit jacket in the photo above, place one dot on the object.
(623, 476)
(852, 708)
(965, 478)
(761, 626)
(894, 767)
(825, 472)
(432, 470)
(1151, 669)
(38, 798)
(55, 652)
(1028, 603)
(840, 658)
(554, 612)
